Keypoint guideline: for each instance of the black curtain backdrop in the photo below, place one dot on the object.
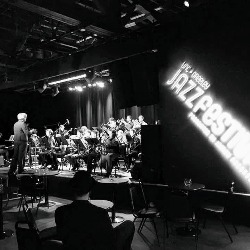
(91, 108)
(42, 110)
(94, 107)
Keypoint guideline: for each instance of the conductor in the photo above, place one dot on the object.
(20, 144)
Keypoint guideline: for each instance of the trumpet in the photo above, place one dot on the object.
(67, 122)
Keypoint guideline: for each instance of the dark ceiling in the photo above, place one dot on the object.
(37, 34)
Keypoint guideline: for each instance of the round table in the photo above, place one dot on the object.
(45, 173)
(192, 187)
(102, 203)
(188, 231)
(114, 182)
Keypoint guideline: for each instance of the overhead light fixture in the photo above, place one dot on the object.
(42, 87)
(55, 91)
(129, 25)
(100, 84)
(79, 88)
(68, 79)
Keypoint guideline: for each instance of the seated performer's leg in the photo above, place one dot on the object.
(124, 235)
(103, 162)
(54, 165)
(42, 159)
(75, 163)
(89, 161)
(110, 157)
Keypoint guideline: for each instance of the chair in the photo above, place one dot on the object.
(219, 210)
(29, 239)
(141, 208)
(178, 209)
(30, 186)
(46, 234)
(121, 157)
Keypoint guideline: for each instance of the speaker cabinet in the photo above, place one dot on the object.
(151, 153)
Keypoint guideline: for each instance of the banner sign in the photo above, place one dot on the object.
(223, 130)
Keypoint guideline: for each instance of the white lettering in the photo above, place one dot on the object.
(205, 102)
(169, 82)
(179, 83)
(235, 126)
(186, 90)
(224, 120)
(199, 92)
(211, 114)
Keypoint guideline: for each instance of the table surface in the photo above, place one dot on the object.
(43, 172)
(113, 180)
(192, 187)
(102, 203)
(4, 176)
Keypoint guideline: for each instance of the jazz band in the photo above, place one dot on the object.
(97, 146)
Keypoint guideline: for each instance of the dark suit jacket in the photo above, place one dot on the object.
(20, 132)
(83, 226)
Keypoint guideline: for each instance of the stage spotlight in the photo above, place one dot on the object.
(55, 91)
(79, 88)
(100, 84)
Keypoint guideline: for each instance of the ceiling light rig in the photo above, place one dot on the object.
(55, 91)
(68, 79)
(96, 83)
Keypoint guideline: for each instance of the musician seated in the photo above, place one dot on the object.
(3, 150)
(112, 123)
(86, 153)
(134, 148)
(83, 132)
(61, 136)
(48, 154)
(112, 150)
(34, 140)
(81, 146)
(141, 120)
(129, 122)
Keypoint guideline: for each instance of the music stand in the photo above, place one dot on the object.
(79, 144)
(92, 141)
